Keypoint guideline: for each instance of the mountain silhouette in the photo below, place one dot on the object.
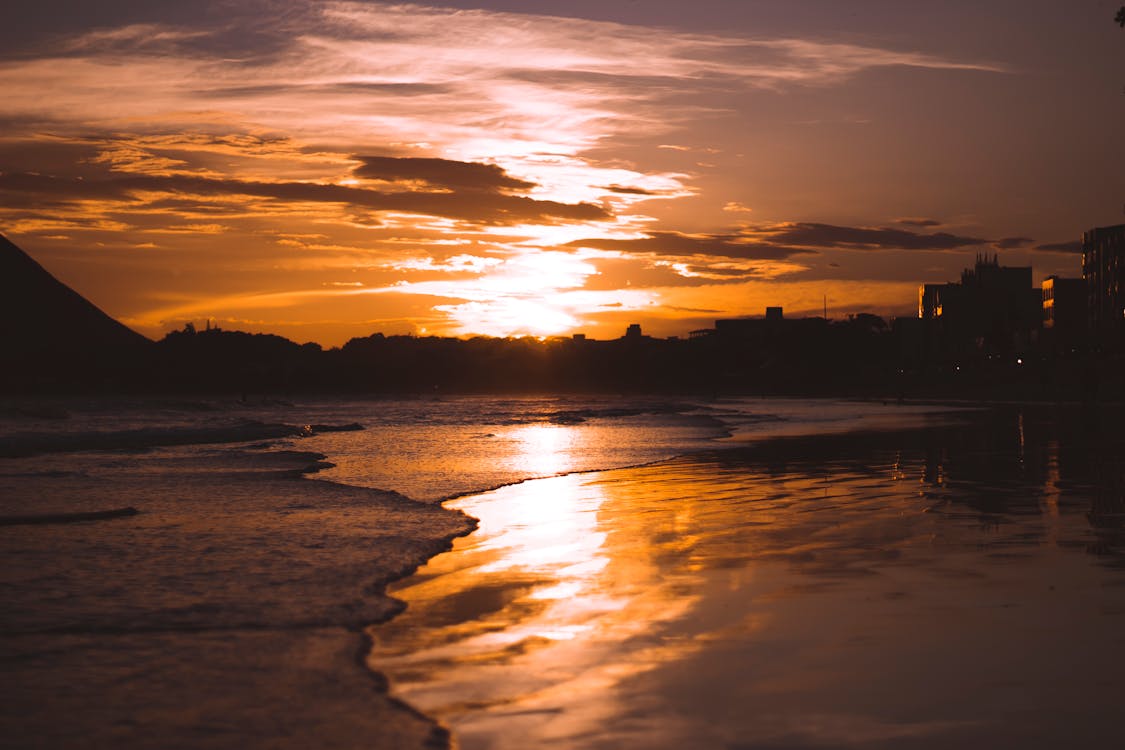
(47, 329)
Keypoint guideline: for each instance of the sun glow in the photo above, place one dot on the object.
(510, 317)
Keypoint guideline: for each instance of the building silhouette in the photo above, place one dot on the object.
(993, 310)
(1064, 315)
(1103, 269)
(929, 300)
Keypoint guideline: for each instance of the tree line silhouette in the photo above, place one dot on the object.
(859, 356)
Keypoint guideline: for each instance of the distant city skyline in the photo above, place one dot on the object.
(324, 171)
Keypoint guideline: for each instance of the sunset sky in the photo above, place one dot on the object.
(328, 170)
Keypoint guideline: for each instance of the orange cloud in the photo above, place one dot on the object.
(471, 155)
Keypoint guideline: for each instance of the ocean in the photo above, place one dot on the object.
(568, 572)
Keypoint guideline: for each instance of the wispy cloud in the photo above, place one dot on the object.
(918, 221)
(439, 173)
(469, 85)
(811, 234)
(1012, 243)
(1073, 246)
(727, 245)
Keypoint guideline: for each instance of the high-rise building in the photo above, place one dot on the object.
(1064, 302)
(1103, 268)
(929, 300)
(993, 310)
(1064, 314)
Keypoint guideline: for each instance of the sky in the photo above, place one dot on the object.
(326, 170)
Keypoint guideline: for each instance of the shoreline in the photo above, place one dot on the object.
(728, 442)
(471, 646)
(255, 469)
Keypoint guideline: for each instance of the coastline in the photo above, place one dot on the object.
(101, 648)
(149, 677)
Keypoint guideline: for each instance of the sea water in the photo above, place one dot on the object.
(578, 586)
(425, 448)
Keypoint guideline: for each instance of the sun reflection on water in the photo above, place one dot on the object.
(543, 449)
(534, 606)
(720, 600)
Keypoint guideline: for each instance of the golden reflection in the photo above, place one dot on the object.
(1049, 505)
(588, 600)
(544, 602)
(543, 448)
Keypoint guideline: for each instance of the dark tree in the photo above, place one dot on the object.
(1120, 18)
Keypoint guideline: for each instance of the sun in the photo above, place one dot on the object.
(511, 316)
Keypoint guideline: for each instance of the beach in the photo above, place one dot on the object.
(753, 574)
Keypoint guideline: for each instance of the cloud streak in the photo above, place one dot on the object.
(439, 173)
(815, 235)
(779, 241)
(473, 206)
(1061, 247)
(679, 244)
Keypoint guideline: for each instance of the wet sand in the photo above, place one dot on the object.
(953, 586)
(226, 613)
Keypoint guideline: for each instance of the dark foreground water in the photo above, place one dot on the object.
(829, 575)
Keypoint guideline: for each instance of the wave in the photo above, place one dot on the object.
(45, 518)
(22, 445)
(34, 411)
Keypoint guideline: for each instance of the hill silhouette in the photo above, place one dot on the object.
(47, 329)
